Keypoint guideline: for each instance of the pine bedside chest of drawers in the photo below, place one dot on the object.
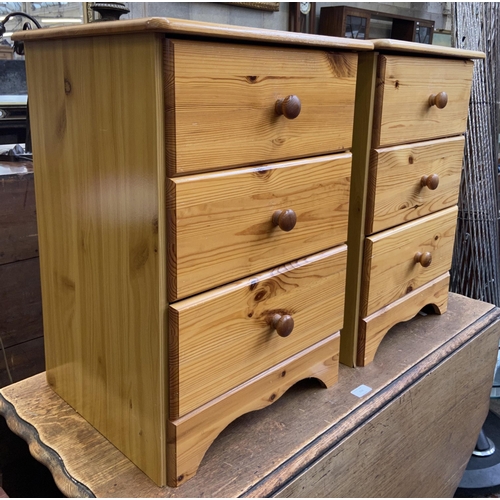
(192, 186)
(411, 111)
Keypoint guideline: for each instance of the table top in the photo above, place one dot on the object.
(255, 454)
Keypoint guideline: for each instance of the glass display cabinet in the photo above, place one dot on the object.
(343, 21)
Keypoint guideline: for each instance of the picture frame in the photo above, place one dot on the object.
(269, 6)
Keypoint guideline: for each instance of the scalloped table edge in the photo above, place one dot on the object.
(47, 456)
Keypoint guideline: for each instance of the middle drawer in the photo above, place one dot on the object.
(221, 225)
(222, 338)
(410, 181)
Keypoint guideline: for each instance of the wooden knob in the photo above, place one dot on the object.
(289, 107)
(439, 100)
(430, 181)
(424, 259)
(283, 324)
(285, 219)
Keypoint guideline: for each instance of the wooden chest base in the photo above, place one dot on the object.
(373, 328)
(189, 437)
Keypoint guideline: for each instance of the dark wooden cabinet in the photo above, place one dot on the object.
(21, 331)
(345, 21)
(412, 30)
(350, 22)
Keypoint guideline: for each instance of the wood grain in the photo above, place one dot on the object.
(373, 329)
(395, 194)
(396, 454)
(408, 82)
(196, 28)
(222, 338)
(417, 49)
(98, 152)
(18, 231)
(191, 435)
(390, 272)
(220, 224)
(262, 451)
(224, 108)
(363, 120)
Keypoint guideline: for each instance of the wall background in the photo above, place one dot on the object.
(218, 12)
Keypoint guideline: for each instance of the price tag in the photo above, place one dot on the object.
(361, 391)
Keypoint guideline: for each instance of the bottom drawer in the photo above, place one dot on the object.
(222, 338)
(391, 269)
(190, 436)
(373, 328)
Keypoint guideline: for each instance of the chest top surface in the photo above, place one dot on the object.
(183, 27)
(412, 48)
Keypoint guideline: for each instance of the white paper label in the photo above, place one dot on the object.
(361, 391)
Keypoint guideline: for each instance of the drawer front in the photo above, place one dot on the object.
(390, 268)
(402, 111)
(408, 182)
(221, 224)
(222, 338)
(220, 102)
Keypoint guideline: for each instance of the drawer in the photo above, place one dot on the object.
(390, 269)
(408, 182)
(221, 223)
(220, 103)
(402, 110)
(222, 338)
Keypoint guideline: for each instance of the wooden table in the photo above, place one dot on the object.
(411, 435)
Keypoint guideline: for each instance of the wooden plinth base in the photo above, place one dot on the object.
(373, 328)
(190, 436)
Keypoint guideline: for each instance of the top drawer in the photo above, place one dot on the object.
(407, 83)
(220, 104)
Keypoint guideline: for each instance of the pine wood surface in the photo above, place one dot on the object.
(390, 271)
(222, 338)
(96, 113)
(391, 45)
(202, 29)
(220, 224)
(407, 82)
(363, 121)
(221, 100)
(395, 194)
(18, 231)
(191, 435)
(261, 451)
(373, 328)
